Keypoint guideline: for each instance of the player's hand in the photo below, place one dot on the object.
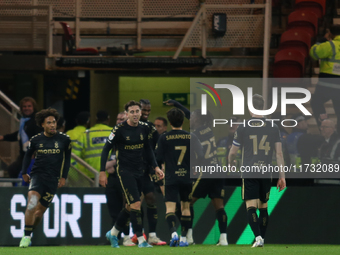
(26, 178)
(102, 179)
(62, 182)
(159, 173)
(168, 103)
(281, 184)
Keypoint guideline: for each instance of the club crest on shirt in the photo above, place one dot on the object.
(41, 145)
(141, 137)
(56, 145)
(128, 138)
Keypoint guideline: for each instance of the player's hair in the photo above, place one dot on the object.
(258, 102)
(335, 29)
(163, 119)
(175, 117)
(102, 116)
(204, 120)
(131, 103)
(28, 99)
(145, 101)
(121, 113)
(43, 114)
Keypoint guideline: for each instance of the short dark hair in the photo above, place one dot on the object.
(335, 29)
(258, 102)
(162, 119)
(28, 99)
(61, 122)
(144, 101)
(131, 103)
(43, 114)
(83, 118)
(102, 116)
(175, 117)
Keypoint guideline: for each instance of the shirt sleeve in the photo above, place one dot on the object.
(238, 136)
(111, 141)
(160, 150)
(150, 155)
(322, 50)
(68, 149)
(181, 107)
(277, 136)
(197, 146)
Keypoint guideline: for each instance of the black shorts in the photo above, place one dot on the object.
(211, 187)
(46, 189)
(148, 184)
(131, 186)
(173, 190)
(256, 189)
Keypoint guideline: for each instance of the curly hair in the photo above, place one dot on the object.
(43, 114)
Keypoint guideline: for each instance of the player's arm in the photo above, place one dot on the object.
(160, 150)
(68, 150)
(179, 106)
(151, 159)
(322, 50)
(111, 141)
(237, 142)
(27, 161)
(281, 183)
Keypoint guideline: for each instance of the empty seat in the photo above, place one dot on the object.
(305, 20)
(68, 40)
(289, 63)
(296, 39)
(315, 6)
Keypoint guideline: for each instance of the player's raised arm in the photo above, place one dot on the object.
(179, 106)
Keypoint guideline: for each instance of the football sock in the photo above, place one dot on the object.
(28, 230)
(151, 212)
(185, 222)
(192, 215)
(178, 211)
(126, 229)
(136, 221)
(122, 219)
(253, 220)
(263, 221)
(141, 239)
(171, 220)
(221, 216)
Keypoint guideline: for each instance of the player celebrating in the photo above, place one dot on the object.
(49, 171)
(258, 143)
(201, 124)
(129, 139)
(174, 150)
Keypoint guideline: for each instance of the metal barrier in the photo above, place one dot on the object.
(16, 180)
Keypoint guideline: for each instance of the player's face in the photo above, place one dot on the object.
(27, 108)
(50, 126)
(133, 115)
(120, 118)
(146, 109)
(159, 125)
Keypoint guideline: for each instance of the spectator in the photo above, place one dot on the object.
(161, 124)
(61, 124)
(27, 129)
(330, 149)
(327, 50)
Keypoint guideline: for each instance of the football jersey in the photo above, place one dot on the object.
(174, 150)
(53, 155)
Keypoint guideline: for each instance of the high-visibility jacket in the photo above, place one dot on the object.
(91, 144)
(74, 135)
(329, 54)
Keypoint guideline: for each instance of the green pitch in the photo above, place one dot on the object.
(195, 250)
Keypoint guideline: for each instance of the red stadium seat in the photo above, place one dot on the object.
(296, 39)
(289, 63)
(316, 6)
(305, 20)
(70, 42)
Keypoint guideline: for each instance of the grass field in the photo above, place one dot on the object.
(195, 249)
